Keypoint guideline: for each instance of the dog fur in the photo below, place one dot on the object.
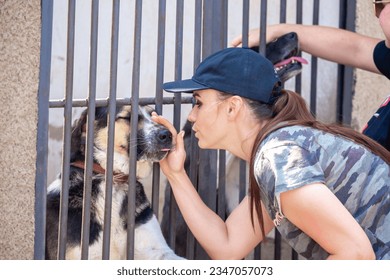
(284, 54)
(153, 143)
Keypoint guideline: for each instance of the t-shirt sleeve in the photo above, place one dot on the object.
(288, 167)
(382, 58)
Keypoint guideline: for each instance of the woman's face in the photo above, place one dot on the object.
(209, 119)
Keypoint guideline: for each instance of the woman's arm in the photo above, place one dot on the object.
(317, 212)
(232, 239)
(338, 45)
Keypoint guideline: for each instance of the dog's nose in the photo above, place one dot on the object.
(292, 35)
(164, 136)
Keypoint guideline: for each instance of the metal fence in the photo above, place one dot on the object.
(210, 34)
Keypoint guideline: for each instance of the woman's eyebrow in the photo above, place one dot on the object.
(195, 94)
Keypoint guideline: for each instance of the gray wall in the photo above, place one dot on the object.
(19, 66)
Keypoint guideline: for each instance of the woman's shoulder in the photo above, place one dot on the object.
(291, 135)
(307, 139)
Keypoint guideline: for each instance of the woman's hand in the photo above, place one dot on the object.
(173, 163)
(273, 32)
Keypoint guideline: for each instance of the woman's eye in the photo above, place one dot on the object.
(198, 103)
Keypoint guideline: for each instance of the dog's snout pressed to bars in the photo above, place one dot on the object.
(164, 136)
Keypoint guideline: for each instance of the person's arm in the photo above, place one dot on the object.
(337, 45)
(317, 212)
(232, 239)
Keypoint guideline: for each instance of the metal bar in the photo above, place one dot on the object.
(224, 24)
(263, 26)
(221, 205)
(298, 78)
(340, 67)
(278, 246)
(348, 77)
(207, 24)
(245, 22)
(278, 239)
(62, 236)
(178, 60)
(133, 135)
(194, 149)
(262, 46)
(176, 108)
(198, 33)
(221, 190)
(194, 173)
(298, 85)
(86, 216)
(314, 64)
(299, 15)
(111, 130)
(119, 101)
(283, 11)
(159, 97)
(160, 55)
(42, 130)
(242, 171)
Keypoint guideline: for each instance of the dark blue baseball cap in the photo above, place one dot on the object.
(237, 71)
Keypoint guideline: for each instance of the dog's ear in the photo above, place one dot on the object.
(77, 150)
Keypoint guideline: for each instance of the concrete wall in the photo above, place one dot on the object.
(371, 89)
(19, 64)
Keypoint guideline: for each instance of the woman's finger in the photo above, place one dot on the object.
(164, 122)
(180, 141)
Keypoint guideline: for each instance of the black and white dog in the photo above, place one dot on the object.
(153, 143)
(284, 54)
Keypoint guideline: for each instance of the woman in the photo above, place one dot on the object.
(325, 188)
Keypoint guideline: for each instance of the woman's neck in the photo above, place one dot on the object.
(246, 136)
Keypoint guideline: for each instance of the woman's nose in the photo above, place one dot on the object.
(191, 116)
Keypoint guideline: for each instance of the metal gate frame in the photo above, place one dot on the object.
(209, 15)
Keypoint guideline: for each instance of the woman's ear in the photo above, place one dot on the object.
(235, 104)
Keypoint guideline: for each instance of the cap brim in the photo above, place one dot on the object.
(183, 86)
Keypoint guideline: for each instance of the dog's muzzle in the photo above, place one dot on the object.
(154, 144)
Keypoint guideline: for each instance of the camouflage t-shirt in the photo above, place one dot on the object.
(296, 156)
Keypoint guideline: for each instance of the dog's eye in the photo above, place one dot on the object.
(123, 118)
